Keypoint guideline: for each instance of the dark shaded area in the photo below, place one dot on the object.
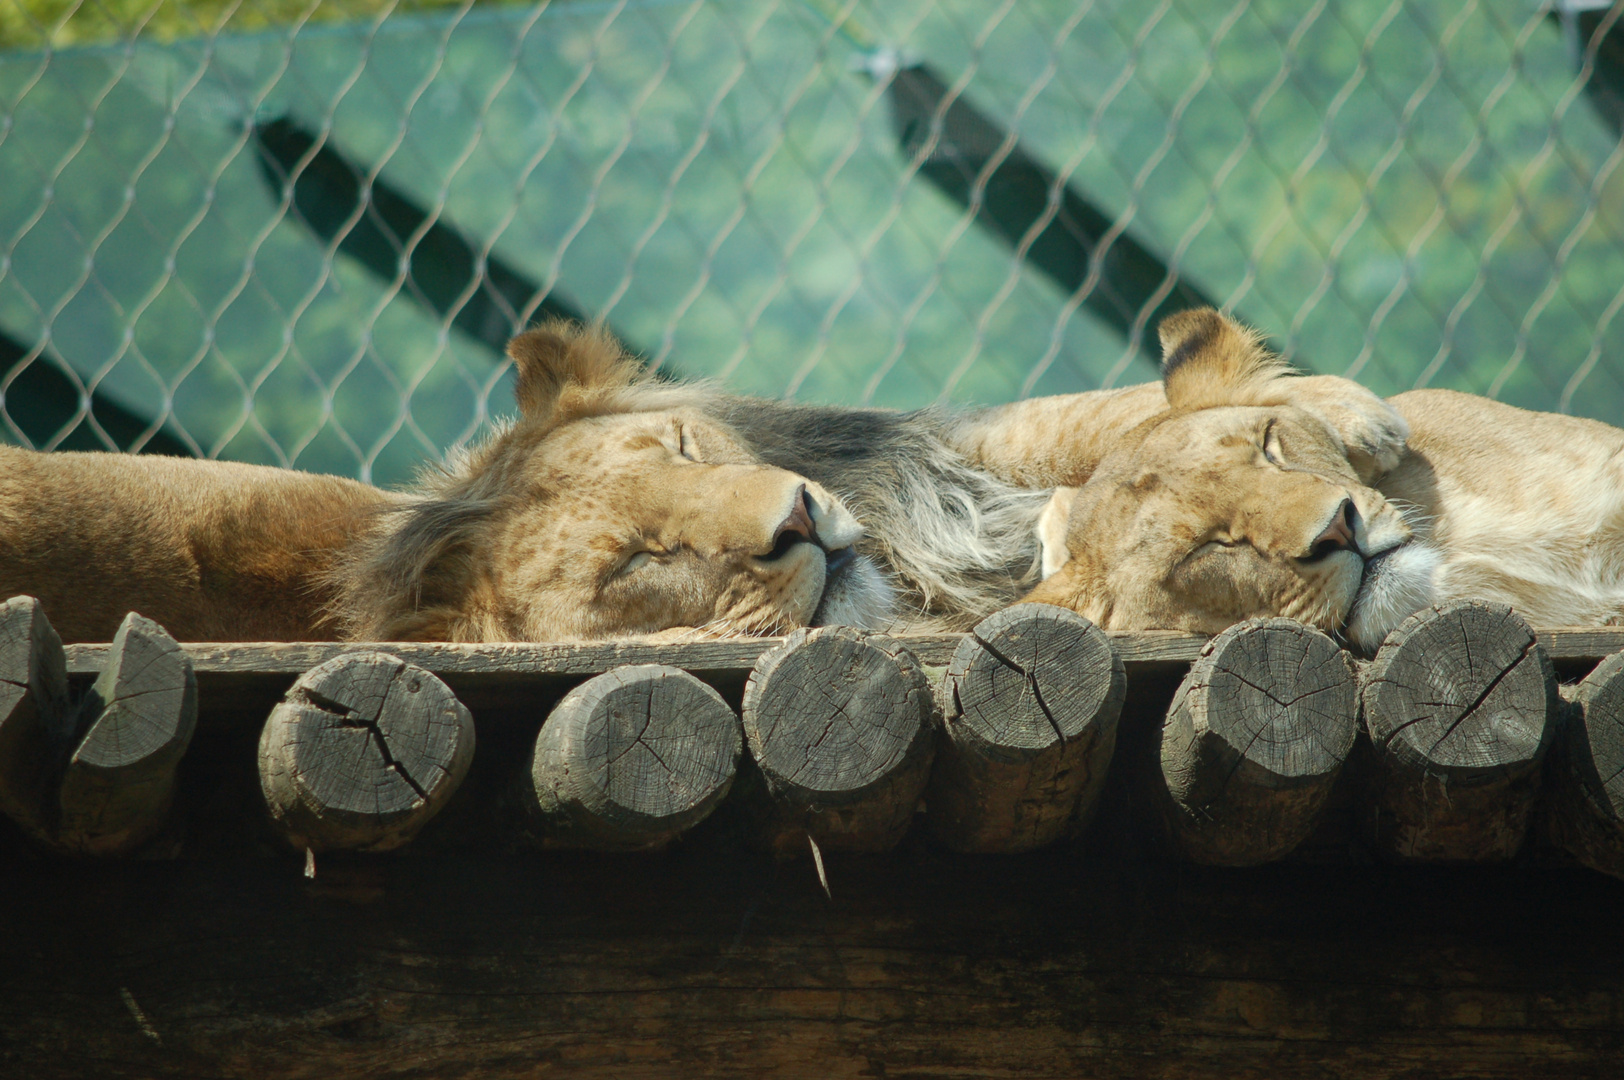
(690, 963)
(1604, 33)
(328, 191)
(41, 400)
(954, 144)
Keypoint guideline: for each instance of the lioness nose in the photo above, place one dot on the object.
(799, 521)
(1338, 535)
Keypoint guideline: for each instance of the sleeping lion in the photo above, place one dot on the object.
(615, 504)
(1235, 502)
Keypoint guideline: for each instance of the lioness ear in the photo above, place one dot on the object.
(1052, 529)
(1209, 359)
(561, 356)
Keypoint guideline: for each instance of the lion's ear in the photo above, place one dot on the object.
(1209, 360)
(562, 356)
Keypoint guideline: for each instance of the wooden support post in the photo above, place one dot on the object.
(362, 752)
(1461, 703)
(1030, 706)
(1587, 808)
(842, 726)
(630, 760)
(34, 721)
(1254, 740)
(137, 721)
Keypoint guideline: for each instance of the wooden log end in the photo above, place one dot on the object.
(1255, 739)
(1461, 705)
(841, 725)
(35, 721)
(630, 760)
(1587, 807)
(137, 720)
(362, 752)
(1030, 705)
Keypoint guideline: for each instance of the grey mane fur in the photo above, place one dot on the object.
(960, 542)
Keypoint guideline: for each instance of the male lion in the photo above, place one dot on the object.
(1236, 502)
(615, 504)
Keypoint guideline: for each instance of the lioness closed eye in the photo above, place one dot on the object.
(1236, 503)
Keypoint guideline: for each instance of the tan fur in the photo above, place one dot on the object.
(1226, 506)
(214, 551)
(616, 504)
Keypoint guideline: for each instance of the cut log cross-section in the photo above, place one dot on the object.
(1255, 738)
(34, 721)
(1461, 704)
(630, 760)
(1030, 706)
(137, 720)
(362, 752)
(1587, 810)
(842, 727)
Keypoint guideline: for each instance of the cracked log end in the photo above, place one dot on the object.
(630, 760)
(841, 725)
(1587, 810)
(362, 752)
(34, 719)
(1030, 706)
(1255, 738)
(1461, 705)
(137, 721)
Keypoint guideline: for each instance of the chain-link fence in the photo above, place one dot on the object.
(299, 233)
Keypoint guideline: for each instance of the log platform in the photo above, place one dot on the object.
(927, 949)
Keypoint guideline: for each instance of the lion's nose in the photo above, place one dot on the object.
(1338, 535)
(795, 528)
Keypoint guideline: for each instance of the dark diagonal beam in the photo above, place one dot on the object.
(956, 146)
(42, 398)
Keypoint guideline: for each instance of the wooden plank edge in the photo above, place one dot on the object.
(1141, 647)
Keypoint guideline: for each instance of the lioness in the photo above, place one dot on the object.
(1235, 502)
(615, 504)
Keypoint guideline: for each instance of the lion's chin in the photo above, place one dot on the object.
(1397, 583)
(856, 592)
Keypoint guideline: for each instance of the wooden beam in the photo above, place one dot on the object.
(1461, 705)
(841, 726)
(364, 751)
(630, 760)
(1255, 739)
(721, 964)
(1029, 707)
(1587, 807)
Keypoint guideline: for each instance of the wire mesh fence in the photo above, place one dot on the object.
(299, 233)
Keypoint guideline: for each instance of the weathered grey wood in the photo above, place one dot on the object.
(1029, 706)
(1587, 806)
(630, 760)
(137, 722)
(507, 659)
(1255, 738)
(1461, 705)
(35, 724)
(365, 749)
(842, 726)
